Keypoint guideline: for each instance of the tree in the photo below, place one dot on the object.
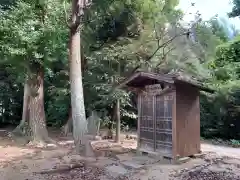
(77, 98)
(29, 44)
(235, 10)
(218, 29)
(120, 16)
(220, 113)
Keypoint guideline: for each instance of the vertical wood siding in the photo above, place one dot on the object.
(187, 120)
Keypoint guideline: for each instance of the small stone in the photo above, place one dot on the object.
(72, 158)
(198, 155)
(97, 138)
(142, 171)
(51, 145)
(232, 161)
(183, 160)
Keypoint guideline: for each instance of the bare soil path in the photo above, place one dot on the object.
(118, 162)
(221, 150)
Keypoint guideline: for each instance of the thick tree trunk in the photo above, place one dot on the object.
(25, 112)
(118, 123)
(36, 110)
(77, 99)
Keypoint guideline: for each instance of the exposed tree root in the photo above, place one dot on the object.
(19, 128)
(22, 129)
(43, 143)
(39, 144)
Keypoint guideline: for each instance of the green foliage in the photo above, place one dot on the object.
(235, 10)
(226, 64)
(117, 36)
(122, 37)
(210, 34)
(32, 35)
(11, 93)
(235, 143)
(218, 29)
(220, 113)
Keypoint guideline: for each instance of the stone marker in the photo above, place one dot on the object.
(93, 124)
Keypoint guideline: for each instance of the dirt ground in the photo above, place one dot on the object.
(114, 161)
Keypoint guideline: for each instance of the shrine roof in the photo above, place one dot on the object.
(141, 79)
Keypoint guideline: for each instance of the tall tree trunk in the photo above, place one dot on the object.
(77, 99)
(118, 123)
(36, 109)
(25, 112)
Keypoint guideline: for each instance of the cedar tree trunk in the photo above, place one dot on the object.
(36, 109)
(77, 99)
(25, 112)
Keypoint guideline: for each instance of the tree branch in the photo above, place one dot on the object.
(66, 18)
(159, 47)
(79, 6)
(164, 59)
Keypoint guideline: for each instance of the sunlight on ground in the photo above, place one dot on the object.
(61, 162)
(9, 153)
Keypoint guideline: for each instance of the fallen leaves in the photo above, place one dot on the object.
(213, 169)
(75, 173)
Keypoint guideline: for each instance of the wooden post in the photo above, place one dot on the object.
(138, 126)
(117, 111)
(174, 126)
(154, 123)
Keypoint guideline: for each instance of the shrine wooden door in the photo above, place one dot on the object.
(156, 123)
(146, 123)
(163, 124)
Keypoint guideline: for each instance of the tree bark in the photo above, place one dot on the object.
(77, 99)
(118, 123)
(37, 121)
(25, 112)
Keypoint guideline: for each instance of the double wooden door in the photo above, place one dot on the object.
(156, 123)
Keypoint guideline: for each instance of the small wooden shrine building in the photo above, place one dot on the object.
(168, 113)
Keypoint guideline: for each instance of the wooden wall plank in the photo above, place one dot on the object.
(174, 126)
(139, 118)
(187, 120)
